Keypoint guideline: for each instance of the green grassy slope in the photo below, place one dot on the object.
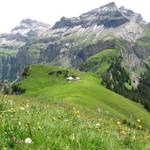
(86, 92)
(57, 114)
(59, 126)
(100, 62)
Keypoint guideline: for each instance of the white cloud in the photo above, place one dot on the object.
(13, 11)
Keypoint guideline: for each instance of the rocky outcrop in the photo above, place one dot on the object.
(9, 69)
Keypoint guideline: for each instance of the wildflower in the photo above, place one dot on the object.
(133, 138)
(77, 112)
(19, 123)
(140, 127)
(123, 132)
(13, 110)
(98, 125)
(28, 141)
(148, 137)
(138, 120)
(22, 108)
(27, 105)
(27, 112)
(119, 123)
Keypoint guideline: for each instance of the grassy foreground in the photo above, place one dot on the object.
(56, 114)
(58, 126)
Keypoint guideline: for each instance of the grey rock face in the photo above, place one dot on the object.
(8, 68)
(131, 15)
(108, 15)
(28, 25)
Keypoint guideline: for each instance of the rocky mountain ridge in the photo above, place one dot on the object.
(108, 16)
(72, 40)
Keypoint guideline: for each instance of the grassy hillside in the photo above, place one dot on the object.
(100, 62)
(39, 125)
(86, 92)
(56, 114)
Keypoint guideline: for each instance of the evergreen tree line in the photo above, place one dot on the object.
(117, 79)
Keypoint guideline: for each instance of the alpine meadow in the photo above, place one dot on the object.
(81, 84)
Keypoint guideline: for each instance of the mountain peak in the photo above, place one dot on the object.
(108, 15)
(32, 23)
(27, 25)
(111, 4)
(99, 16)
(28, 21)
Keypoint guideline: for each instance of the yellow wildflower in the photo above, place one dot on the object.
(27, 105)
(22, 108)
(133, 137)
(98, 124)
(138, 120)
(140, 127)
(123, 132)
(118, 123)
(77, 112)
(13, 110)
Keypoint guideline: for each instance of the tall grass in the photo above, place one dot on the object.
(57, 126)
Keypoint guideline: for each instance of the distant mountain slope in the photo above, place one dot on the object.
(69, 41)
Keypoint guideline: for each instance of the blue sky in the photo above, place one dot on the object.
(49, 11)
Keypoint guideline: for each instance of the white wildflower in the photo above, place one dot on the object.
(28, 141)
